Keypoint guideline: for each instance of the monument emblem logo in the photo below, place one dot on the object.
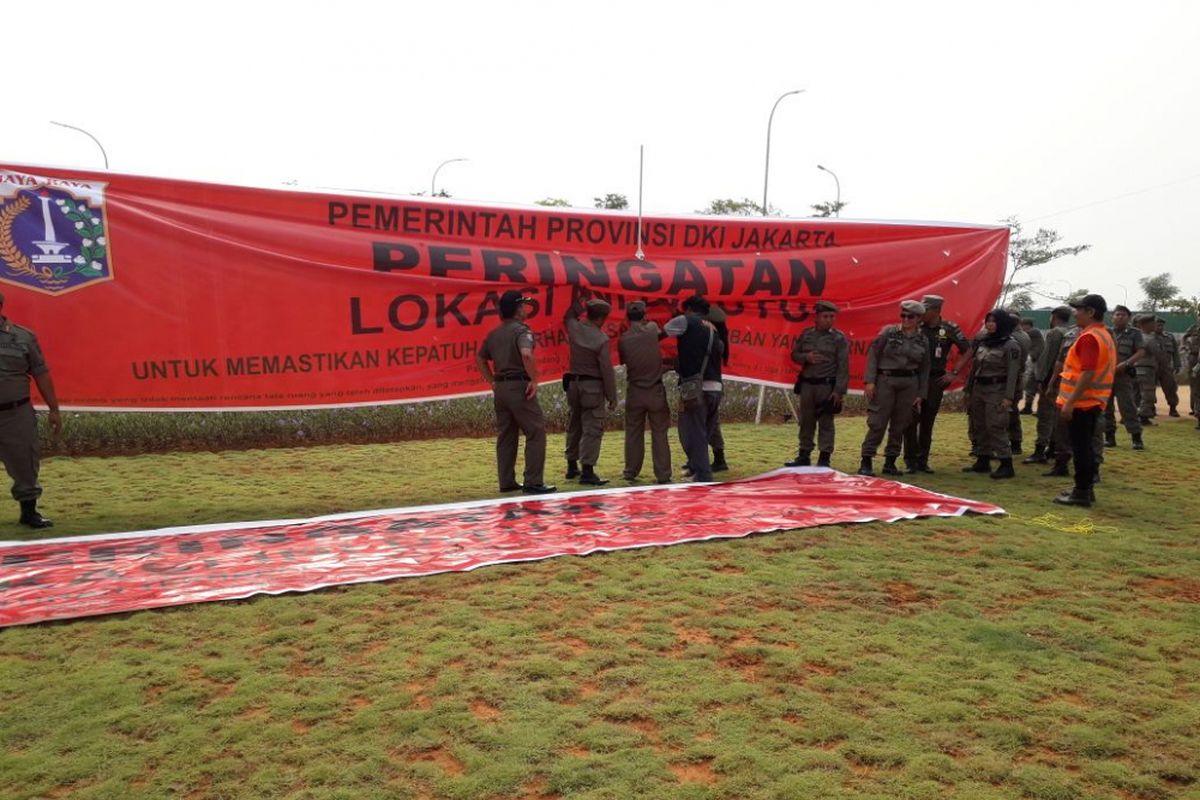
(53, 233)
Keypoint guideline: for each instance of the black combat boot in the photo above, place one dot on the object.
(1174, 412)
(1059, 470)
(864, 467)
(1110, 440)
(31, 517)
(982, 464)
(889, 466)
(823, 459)
(1138, 444)
(923, 466)
(1074, 497)
(802, 459)
(590, 478)
(1005, 470)
(1028, 409)
(1016, 447)
(719, 464)
(572, 470)
(1038, 457)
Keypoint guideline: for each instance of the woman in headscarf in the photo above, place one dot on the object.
(992, 385)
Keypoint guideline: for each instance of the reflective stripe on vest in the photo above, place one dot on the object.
(1097, 394)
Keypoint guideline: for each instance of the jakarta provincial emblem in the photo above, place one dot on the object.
(53, 233)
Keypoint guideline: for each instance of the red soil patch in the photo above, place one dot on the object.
(444, 759)
(1182, 590)
(484, 711)
(694, 773)
(300, 727)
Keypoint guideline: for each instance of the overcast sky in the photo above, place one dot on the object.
(1082, 117)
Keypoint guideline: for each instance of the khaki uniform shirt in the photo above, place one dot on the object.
(1001, 360)
(1045, 371)
(893, 350)
(639, 352)
(1152, 352)
(1169, 351)
(591, 355)
(1129, 341)
(20, 359)
(832, 344)
(503, 348)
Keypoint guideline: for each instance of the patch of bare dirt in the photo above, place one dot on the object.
(484, 711)
(699, 772)
(1181, 590)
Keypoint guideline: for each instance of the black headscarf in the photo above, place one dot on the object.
(1004, 326)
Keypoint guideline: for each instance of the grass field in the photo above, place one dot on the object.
(971, 657)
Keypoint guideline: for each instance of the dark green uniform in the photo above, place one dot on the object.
(1191, 340)
(20, 359)
(1125, 385)
(1015, 434)
(1038, 340)
(515, 413)
(828, 374)
(645, 400)
(995, 377)
(1168, 367)
(940, 340)
(1147, 374)
(898, 366)
(590, 382)
(1044, 375)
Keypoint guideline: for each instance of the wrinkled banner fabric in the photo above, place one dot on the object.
(87, 576)
(150, 293)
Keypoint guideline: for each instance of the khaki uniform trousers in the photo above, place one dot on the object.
(891, 413)
(1125, 398)
(991, 421)
(811, 396)
(644, 405)
(585, 425)
(515, 414)
(20, 451)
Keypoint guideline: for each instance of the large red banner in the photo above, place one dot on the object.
(160, 294)
(86, 576)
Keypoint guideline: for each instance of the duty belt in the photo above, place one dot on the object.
(898, 373)
(820, 381)
(570, 376)
(503, 378)
(989, 380)
(13, 404)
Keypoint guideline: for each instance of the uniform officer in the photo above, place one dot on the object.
(992, 390)
(1168, 365)
(896, 381)
(1025, 342)
(590, 381)
(21, 359)
(1038, 340)
(823, 354)
(941, 335)
(645, 395)
(1043, 376)
(699, 359)
(1191, 339)
(720, 320)
(1125, 387)
(513, 376)
(1147, 369)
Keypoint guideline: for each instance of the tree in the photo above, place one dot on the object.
(1020, 301)
(830, 209)
(1026, 252)
(1184, 305)
(728, 207)
(1158, 290)
(613, 201)
(553, 202)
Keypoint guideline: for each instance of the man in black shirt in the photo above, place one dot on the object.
(699, 357)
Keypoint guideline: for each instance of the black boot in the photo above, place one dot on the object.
(1059, 470)
(1028, 409)
(1005, 470)
(889, 466)
(823, 459)
(31, 517)
(1016, 447)
(590, 478)
(1110, 440)
(1038, 457)
(864, 466)
(923, 466)
(572, 470)
(982, 464)
(1074, 497)
(719, 463)
(1174, 412)
(1147, 421)
(803, 459)
(1138, 444)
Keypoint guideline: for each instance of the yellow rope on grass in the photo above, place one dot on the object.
(1056, 522)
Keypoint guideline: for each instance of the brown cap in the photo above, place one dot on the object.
(636, 305)
(912, 307)
(597, 304)
(716, 314)
(933, 302)
(825, 305)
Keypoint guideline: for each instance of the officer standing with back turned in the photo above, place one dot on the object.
(590, 382)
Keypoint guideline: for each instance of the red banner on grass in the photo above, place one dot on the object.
(159, 294)
(87, 576)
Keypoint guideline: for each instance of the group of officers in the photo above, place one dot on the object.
(1063, 373)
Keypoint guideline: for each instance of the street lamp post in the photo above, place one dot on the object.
(433, 182)
(837, 204)
(85, 133)
(767, 168)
